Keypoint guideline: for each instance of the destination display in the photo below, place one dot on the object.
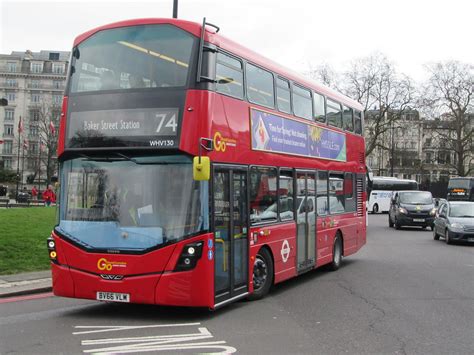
(273, 133)
(155, 127)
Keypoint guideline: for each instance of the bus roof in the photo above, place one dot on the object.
(389, 178)
(233, 47)
(462, 178)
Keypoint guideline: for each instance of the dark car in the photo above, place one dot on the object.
(455, 222)
(411, 208)
(22, 197)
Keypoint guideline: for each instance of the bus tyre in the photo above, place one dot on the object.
(375, 209)
(435, 235)
(336, 253)
(262, 274)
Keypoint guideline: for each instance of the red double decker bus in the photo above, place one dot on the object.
(195, 172)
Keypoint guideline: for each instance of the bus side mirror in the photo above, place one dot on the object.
(201, 168)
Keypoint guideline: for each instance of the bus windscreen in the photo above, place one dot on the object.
(137, 57)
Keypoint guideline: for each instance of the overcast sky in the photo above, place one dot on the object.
(296, 33)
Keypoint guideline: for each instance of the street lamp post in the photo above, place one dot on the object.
(175, 8)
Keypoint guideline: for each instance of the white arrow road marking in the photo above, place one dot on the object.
(114, 328)
(154, 342)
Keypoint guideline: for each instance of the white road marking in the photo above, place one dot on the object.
(114, 328)
(191, 341)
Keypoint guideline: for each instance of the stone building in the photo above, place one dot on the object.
(33, 83)
(399, 148)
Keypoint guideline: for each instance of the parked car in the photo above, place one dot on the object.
(455, 222)
(411, 208)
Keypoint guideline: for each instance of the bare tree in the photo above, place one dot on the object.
(448, 95)
(374, 82)
(385, 94)
(48, 120)
(325, 75)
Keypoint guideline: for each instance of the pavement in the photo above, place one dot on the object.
(25, 283)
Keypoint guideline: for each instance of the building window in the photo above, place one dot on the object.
(9, 115)
(8, 147)
(7, 163)
(35, 98)
(10, 97)
(56, 115)
(35, 84)
(8, 130)
(36, 67)
(58, 68)
(11, 83)
(34, 115)
(53, 56)
(33, 148)
(428, 142)
(283, 95)
(11, 67)
(57, 99)
(428, 158)
(57, 84)
(33, 131)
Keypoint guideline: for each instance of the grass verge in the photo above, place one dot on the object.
(23, 233)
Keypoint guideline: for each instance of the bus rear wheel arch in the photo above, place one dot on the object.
(337, 252)
(263, 273)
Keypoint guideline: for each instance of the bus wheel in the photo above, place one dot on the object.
(375, 209)
(336, 253)
(262, 274)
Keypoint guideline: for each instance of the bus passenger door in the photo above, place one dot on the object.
(306, 220)
(230, 233)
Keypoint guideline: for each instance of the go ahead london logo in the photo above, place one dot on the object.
(104, 264)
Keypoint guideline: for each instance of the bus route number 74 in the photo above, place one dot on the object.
(166, 126)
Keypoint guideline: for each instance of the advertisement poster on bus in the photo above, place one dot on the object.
(273, 133)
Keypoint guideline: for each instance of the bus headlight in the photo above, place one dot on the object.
(189, 257)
